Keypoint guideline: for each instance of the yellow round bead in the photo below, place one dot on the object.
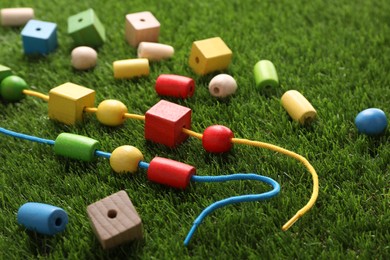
(111, 112)
(125, 159)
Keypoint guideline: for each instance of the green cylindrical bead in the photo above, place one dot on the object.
(76, 146)
(11, 88)
(265, 74)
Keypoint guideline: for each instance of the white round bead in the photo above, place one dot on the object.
(84, 58)
(222, 85)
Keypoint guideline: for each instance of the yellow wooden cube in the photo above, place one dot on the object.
(209, 55)
(67, 102)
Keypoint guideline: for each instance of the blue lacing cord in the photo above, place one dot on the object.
(26, 137)
(231, 200)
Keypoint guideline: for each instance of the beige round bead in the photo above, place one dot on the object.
(84, 58)
(222, 85)
(125, 159)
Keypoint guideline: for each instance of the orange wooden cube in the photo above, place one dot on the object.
(209, 55)
(114, 220)
(141, 27)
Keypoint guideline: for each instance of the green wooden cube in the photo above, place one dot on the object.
(86, 29)
(4, 72)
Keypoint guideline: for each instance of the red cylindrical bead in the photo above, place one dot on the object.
(169, 172)
(175, 86)
(217, 139)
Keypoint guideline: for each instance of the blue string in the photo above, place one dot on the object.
(231, 200)
(26, 137)
(102, 154)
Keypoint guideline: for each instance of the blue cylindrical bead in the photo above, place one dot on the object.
(42, 218)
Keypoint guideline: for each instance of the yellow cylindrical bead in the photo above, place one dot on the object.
(298, 107)
(131, 68)
(111, 112)
(125, 159)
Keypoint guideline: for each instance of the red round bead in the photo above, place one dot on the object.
(217, 139)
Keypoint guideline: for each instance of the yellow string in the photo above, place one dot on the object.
(192, 133)
(90, 109)
(134, 116)
(36, 94)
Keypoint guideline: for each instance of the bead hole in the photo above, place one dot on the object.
(38, 29)
(216, 90)
(112, 213)
(80, 20)
(142, 20)
(196, 59)
(58, 222)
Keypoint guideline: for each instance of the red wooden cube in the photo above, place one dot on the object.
(164, 123)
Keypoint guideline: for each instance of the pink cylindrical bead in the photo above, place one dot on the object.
(16, 16)
(175, 86)
(154, 51)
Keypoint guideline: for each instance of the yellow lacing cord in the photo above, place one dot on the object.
(36, 94)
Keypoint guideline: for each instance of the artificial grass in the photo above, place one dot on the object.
(334, 52)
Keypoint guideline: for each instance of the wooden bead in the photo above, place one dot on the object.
(125, 159)
(164, 123)
(42, 218)
(4, 72)
(11, 88)
(371, 121)
(141, 27)
(169, 172)
(130, 68)
(175, 86)
(209, 55)
(222, 85)
(83, 58)
(16, 16)
(76, 146)
(115, 220)
(155, 51)
(298, 107)
(217, 139)
(111, 112)
(265, 75)
(39, 37)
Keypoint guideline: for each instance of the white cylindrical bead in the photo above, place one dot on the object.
(222, 85)
(16, 16)
(83, 58)
(155, 51)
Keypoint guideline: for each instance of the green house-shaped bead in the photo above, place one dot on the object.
(86, 29)
(4, 72)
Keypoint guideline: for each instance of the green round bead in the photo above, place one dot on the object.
(11, 88)
(265, 74)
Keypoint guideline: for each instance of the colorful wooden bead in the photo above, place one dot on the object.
(130, 68)
(298, 107)
(111, 112)
(76, 146)
(169, 172)
(67, 102)
(4, 72)
(83, 58)
(217, 139)
(265, 75)
(11, 88)
(125, 159)
(371, 121)
(39, 37)
(175, 86)
(141, 27)
(42, 218)
(115, 220)
(209, 55)
(16, 16)
(86, 29)
(155, 51)
(222, 85)
(164, 123)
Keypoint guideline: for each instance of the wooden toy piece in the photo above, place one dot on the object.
(130, 68)
(265, 75)
(83, 58)
(11, 88)
(222, 85)
(125, 159)
(175, 86)
(298, 107)
(115, 220)
(76, 146)
(371, 121)
(111, 112)
(217, 139)
(209, 55)
(67, 102)
(39, 37)
(169, 172)
(42, 218)
(164, 123)
(4, 72)
(141, 27)
(155, 51)
(16, 16)
(86, 29)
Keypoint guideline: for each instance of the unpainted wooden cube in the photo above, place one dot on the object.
(115, 220)
(141, 27)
